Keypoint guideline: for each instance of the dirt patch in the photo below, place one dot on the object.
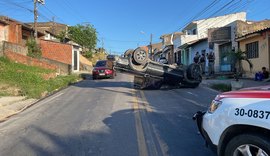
(7, 90)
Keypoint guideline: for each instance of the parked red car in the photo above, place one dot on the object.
(102, 70)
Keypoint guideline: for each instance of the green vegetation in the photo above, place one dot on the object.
(221, 87)
(30, 79)
(97, 56)
(84, 35)
(236, 58)
(33, 48)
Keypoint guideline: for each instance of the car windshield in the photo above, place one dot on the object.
(101, 64)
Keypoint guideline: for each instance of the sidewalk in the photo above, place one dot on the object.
(11, 105)
(247, 82)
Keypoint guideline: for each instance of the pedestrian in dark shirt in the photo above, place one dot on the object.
(211, 62)
(202, 63)
(196, 58)
(264, 74)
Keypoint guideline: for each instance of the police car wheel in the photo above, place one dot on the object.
(248, 145)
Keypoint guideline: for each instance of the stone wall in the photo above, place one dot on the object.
(8, 46)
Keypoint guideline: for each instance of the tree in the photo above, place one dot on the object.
(84, 35)
(236, 58)
(62, 36)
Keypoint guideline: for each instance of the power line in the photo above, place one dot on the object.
(216, 13)
(122, 40)
(18, 5)
(53, 13)
(25, 8)
(218, 21)
(199, 14)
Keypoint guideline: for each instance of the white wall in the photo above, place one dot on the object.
(187, 38)
(216, 22)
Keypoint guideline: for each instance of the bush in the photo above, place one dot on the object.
(33, 49)
(88, 54)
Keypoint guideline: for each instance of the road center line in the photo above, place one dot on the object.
(144, 100)
(142, 147)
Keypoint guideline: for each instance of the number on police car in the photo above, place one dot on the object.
(252, 113)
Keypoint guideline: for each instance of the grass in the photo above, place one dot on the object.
(221, 87)
(29, 79)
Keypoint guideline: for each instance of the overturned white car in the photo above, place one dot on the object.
(238, 122)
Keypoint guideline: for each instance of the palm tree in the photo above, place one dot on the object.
(236, 58)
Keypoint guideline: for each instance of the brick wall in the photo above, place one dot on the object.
(29, 60)
(56, 51)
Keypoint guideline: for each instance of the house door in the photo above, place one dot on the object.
(225, 62)
(179, 57)
(75, 60)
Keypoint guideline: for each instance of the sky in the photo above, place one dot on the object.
(127, 24)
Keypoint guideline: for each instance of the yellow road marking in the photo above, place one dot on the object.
(142, 147)
(147, 106)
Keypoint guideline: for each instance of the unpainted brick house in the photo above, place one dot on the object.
(64, 53)
(16, 32)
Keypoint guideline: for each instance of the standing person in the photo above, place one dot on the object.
(196, 58)
(202, 63)
(206, 63)
(211, 62)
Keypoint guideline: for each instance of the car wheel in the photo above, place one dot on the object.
(194, 72)
(248, 145)
(140, 56)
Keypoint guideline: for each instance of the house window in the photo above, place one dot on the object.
(252, 50)
(194, 31)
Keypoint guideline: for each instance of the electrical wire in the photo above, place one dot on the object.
(53, 13)
(198, 14)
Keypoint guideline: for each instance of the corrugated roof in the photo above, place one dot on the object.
(253, 32)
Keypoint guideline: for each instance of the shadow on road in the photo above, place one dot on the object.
(116, 135)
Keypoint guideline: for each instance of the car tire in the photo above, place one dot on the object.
(140, 56)
(194, 72)
(253, 141)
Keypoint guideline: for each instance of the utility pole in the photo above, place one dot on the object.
(102, 42)
(53, 25)
(35, 19)
(36, 16)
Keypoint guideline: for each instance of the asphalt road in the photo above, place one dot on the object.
(108, 117)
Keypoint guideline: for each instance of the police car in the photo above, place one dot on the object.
(237, 123)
